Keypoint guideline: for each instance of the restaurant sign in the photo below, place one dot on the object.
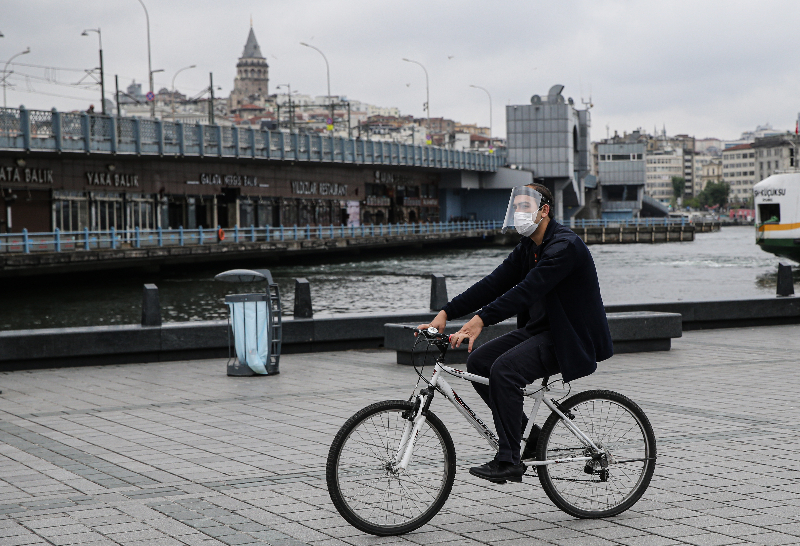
(119, 180)
(321, 188)
(28, 176)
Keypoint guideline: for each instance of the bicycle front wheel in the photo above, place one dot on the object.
(365, 487)
(601, 487)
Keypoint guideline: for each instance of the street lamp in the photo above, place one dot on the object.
(172, 96)
(428, 140)
(6, 73)
(491, 147)
(149, 64)
(328, 72)
(102, 80)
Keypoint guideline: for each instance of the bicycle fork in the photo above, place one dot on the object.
(415, 418)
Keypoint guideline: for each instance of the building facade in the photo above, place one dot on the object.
(739, 172)
(662, 166)
(550, 138)
(774, 154)
(621, 175)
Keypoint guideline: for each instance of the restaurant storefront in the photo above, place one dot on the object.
(75, 193)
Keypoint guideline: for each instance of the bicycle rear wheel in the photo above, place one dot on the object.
(365, 489)
(597, 488)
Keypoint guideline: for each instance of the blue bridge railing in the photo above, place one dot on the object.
(66, 241)
(43, 130)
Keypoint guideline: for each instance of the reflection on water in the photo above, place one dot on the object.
(716, 266)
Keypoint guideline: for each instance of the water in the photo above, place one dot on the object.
(724, 265)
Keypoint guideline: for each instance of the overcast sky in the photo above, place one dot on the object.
(704, 68)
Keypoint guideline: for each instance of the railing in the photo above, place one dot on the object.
(633, 222)
(27, 130)
(64, 241)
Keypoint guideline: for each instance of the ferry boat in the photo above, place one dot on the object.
(777, 201)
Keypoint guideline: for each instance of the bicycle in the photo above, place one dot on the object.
(392, 465)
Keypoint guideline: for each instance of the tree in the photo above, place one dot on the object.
(678, 186)
(715, 193)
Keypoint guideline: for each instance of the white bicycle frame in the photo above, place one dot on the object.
(543, 394)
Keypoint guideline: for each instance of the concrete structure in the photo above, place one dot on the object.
(180, 454)
(662, 166)
(774, 154)
(738, 171)
(621, 177)
(550, 138)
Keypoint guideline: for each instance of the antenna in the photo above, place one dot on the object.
(608, 135)
(588, 104)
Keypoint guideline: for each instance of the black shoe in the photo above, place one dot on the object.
(499, 471)
(530, 445)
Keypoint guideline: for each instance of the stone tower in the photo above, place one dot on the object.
(251, 84)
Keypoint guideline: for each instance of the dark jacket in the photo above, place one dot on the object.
(563, 273)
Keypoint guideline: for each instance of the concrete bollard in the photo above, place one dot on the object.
(785, 281)
(302, 299)
(151, 309)
(438, 292)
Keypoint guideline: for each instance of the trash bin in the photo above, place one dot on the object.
(254, 325)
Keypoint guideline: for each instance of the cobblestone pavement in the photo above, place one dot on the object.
(178, 453)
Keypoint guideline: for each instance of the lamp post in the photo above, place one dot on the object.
(428, 140)
(491, 147)
(172, 96)
(328, 72)
(6, 74)
(102, 79)
(149, 63)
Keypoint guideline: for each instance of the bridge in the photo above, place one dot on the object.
(53, 131)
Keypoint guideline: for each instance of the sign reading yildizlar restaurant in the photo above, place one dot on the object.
(28, 176)
(112, 179)
(321, 188)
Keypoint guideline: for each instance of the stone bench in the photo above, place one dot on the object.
(631, 332)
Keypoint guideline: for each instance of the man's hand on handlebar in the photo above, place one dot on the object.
(470, 331)
(439, 322)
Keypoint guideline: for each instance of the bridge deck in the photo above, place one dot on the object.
(179, 453)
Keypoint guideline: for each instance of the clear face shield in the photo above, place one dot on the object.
(523, 207)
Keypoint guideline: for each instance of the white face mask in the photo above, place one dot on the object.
(524, 224)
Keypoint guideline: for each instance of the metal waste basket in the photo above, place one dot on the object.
(254, 325)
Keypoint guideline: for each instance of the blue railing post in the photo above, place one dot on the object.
(235, 233)
(112, 134)
(138, 238)
(202, 235)
(86, 238)
(251, 139)
(235, 139)
(137, 135)
(25, 127)
(218, 131)
(267, 233)
(319, 231)
(295, 232)
(308, 232)
(56, 123)
(113, 237)
(179, 132)
(253, 233)
(160, 136)
(26, 244)
(58, 240)
(180, 235)
(160, 236)
(201, 140)
(282, 238)
(331, 231)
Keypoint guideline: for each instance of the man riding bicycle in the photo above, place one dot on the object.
(550, 283)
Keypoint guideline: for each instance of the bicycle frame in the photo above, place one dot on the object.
(438, 382)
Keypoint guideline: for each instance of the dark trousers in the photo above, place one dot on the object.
(511, 362)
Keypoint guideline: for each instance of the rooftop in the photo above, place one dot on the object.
(179, 453)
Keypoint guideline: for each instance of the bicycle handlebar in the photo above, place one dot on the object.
(428, 335)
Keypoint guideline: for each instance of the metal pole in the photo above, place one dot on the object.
(149, 63)
(211, 101)
(490, 112)
(102, 79)
(5, 72)
(427, 100)
(116, 84)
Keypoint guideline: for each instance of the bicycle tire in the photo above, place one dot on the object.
(581, 489)
(352, 482)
